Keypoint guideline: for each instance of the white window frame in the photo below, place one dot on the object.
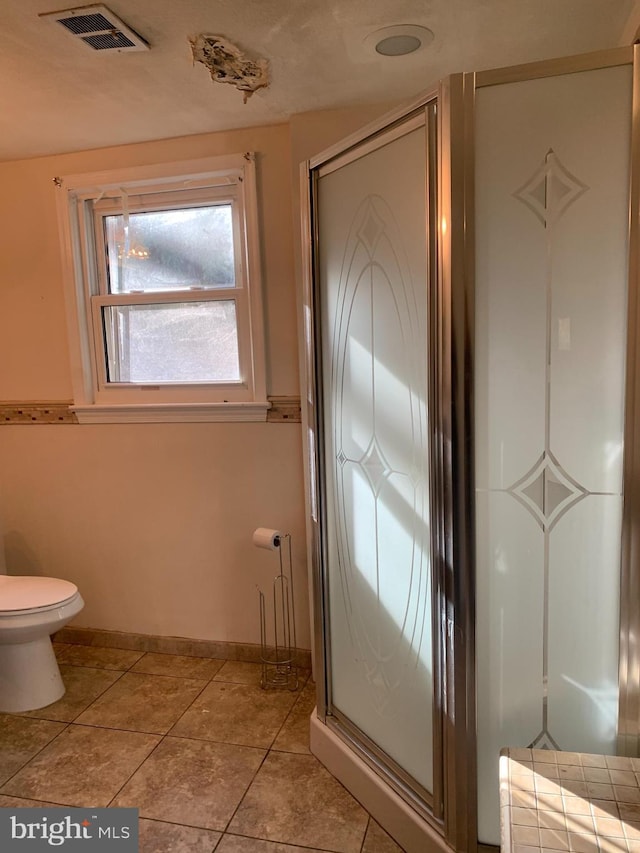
(83, 200)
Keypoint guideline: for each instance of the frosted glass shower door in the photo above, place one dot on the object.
(552, 207)
(372, 257)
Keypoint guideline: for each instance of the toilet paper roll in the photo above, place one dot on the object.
(263, 537)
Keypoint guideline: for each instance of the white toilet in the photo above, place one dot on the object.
(31, 609)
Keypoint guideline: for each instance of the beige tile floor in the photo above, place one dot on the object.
(211, 761)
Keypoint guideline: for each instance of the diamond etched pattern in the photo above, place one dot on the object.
(544, 741)
(547, 491)
(371, 229)
(375, 465)
(551, 190)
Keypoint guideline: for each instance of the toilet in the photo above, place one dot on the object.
(31, 609)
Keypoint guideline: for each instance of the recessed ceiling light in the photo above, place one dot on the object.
(399, 40)
(398, 45)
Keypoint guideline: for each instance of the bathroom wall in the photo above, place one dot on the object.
(152, 521)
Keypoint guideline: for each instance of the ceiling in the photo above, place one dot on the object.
(57, 95)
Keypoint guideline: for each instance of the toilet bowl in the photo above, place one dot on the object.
(31, 609)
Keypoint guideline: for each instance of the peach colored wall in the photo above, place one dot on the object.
(313, 132)
(153, 522)
(33, 346)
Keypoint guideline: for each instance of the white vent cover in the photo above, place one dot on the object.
(98, 28)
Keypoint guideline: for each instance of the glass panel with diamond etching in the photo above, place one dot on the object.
(372, 256)
(552, 159)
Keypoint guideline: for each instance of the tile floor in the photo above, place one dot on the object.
(211, 761)
(559, 801)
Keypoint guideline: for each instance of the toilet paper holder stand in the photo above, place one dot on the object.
(279, 664)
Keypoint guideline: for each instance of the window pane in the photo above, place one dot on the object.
(178, 342)
(171, 249)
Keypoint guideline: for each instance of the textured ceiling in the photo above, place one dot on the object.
(56, 95)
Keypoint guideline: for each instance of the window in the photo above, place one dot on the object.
(163, 287)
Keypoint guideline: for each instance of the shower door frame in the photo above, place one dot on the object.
(463, 321)
(450, 810)
(460, 282)
(453, 811)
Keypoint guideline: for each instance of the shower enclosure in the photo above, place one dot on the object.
(470, 310)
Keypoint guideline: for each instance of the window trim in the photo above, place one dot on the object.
(82, 199)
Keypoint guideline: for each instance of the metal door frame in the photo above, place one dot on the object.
(451, 756)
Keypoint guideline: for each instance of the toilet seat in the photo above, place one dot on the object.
(25, 595)
(32, 609)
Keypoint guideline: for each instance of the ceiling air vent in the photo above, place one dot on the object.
(98, 28)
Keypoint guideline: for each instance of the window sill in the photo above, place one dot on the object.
(171, 413)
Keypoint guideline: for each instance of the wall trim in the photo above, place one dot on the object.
(248, 652)
(37, 412)
(283, 410)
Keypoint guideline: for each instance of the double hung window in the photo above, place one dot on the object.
(164, 292)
